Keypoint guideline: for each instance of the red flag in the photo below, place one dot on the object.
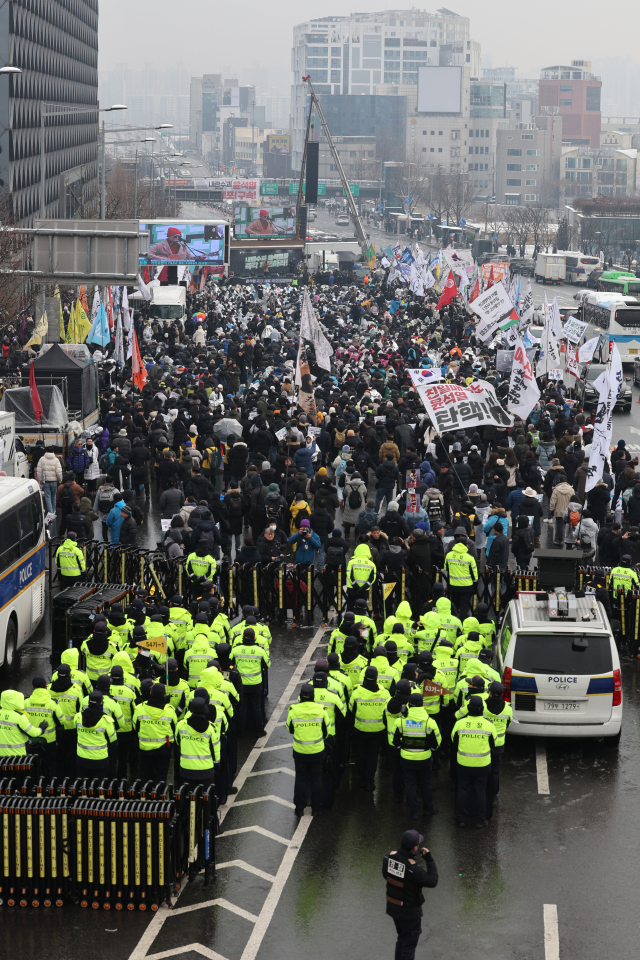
(35, 396)
(476, 292)
(491, 278)
(449, 293)
(137, 368)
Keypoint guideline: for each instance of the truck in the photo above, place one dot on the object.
(323, 260)
(550, 268)
(13, 459)
(168, 303)
(480, 246)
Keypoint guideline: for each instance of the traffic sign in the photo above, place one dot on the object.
(462, 223)
(431, 216)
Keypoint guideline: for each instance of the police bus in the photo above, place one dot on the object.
(22, 565)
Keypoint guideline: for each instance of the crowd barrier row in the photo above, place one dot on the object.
(284, 589)
(100, 844)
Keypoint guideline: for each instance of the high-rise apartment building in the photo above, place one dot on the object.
(55, 45)
(373, 54)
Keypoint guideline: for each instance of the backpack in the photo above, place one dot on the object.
(355, 499)
(273, 512)
(574, 518)
(528, 539)
(234, 505)
(136, 513)
(67, 498)
(333, 556)
(105, 499)
(340, 437)
(434, 509)
(303, 514)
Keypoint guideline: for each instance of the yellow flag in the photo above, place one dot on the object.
(155, 643)
(83, 324)
(388, 589)
(56, 295)
(70, 336)
(40, 329)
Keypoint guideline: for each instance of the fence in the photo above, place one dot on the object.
(283, 589)
(100, 844)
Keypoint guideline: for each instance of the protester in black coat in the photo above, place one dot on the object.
(395, 556)
(393, 524)
(322, 523)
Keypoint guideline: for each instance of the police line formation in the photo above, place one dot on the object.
(248, 464)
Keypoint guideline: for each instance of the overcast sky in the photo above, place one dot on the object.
(206, 35)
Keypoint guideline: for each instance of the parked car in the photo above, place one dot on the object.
(523, 266)
(587, 394)
(342, 220)
(594, 279)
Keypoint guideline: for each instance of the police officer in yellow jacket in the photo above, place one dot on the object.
(198, 744)
(306, 721)
(68, 695)
(15, 726)
(249, 658)
(70, 560)
(472, 740)
(96, 739)
(41, 706)
(155, 723)
(417, 735)
(200, 565)
(462, 573)
(368, 705)
(501, 715)
(361, 574)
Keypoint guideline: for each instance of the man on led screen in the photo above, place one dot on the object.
(262, 226)
(174, 248)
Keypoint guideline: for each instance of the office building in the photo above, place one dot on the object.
(55, 45)
(152, 96)
(215, 100)
(528, 162)
(573, 93)
(368, 55)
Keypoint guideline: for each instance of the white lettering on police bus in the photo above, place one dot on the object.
(26, 573)
(563, 679)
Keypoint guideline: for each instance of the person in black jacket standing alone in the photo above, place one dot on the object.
(406, 879)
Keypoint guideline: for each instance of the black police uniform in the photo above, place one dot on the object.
(405, 881)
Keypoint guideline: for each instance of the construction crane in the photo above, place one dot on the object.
(365, 247)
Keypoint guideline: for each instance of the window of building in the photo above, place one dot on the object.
(621, 191)
(514, 166)
(439, 133)
(352, 154)
(593, 98)
(317, 62)
(433, 43)
(621, 164)
(317, 51)
(570, 163)
(455, 134)
(470, 149)
(468, 58)
(424, 149)
(527, 136)
(514, 183)
(390, 42)
(533, 153)
(512, 199)
(335, 76)
(336, 62)
(566, 103)
(455, 151)
(566, 89)
(433, 133)
(532, 166)
(414, 54)
(531, 196)
(335, 51)
(511, 152)
(530, 183)
(392, 54)
(318, 76)
(439, 149)
(432, 150)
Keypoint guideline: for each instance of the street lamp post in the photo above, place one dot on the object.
(50, 109)
(161, 126)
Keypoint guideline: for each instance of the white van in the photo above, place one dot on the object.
(560, 667)
(579, 266)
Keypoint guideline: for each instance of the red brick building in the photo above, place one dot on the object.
(573, 93)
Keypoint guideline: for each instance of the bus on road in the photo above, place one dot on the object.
(619, 281)
(22, 565)
(579, 266)
(620, 323)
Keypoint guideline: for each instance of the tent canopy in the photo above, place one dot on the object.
(75, 376)
(18, 401)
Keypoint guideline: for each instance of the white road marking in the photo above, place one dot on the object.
(218, 902)
(261, 830)
(551, 938)
(246, 866)
(261, 773)
(273, 897)
(271, 796)
(279, 746)
(140, 952)
(541, 769)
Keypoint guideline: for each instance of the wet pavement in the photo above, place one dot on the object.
(561, 844)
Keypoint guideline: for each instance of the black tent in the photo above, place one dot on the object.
(77, 380)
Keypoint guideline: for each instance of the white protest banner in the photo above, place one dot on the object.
(526, 308)
(281, 434)
(552, 374)
(587, 350)
(452, 407)
(555, 319)
(511, 336)
(311, 330)
(608, 385)
(524, 392)
(549, 358)
(571, 364)
(573, 329)
(495, 310)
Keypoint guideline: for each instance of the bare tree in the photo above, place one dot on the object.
(121, 196)
(14, 255)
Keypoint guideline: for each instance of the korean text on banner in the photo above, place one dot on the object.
(524, 392)
(451, 407)
(311, 330)
(496, 311)
(608, 385)
(573, 329)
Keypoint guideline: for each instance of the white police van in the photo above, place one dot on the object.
(560, 667)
